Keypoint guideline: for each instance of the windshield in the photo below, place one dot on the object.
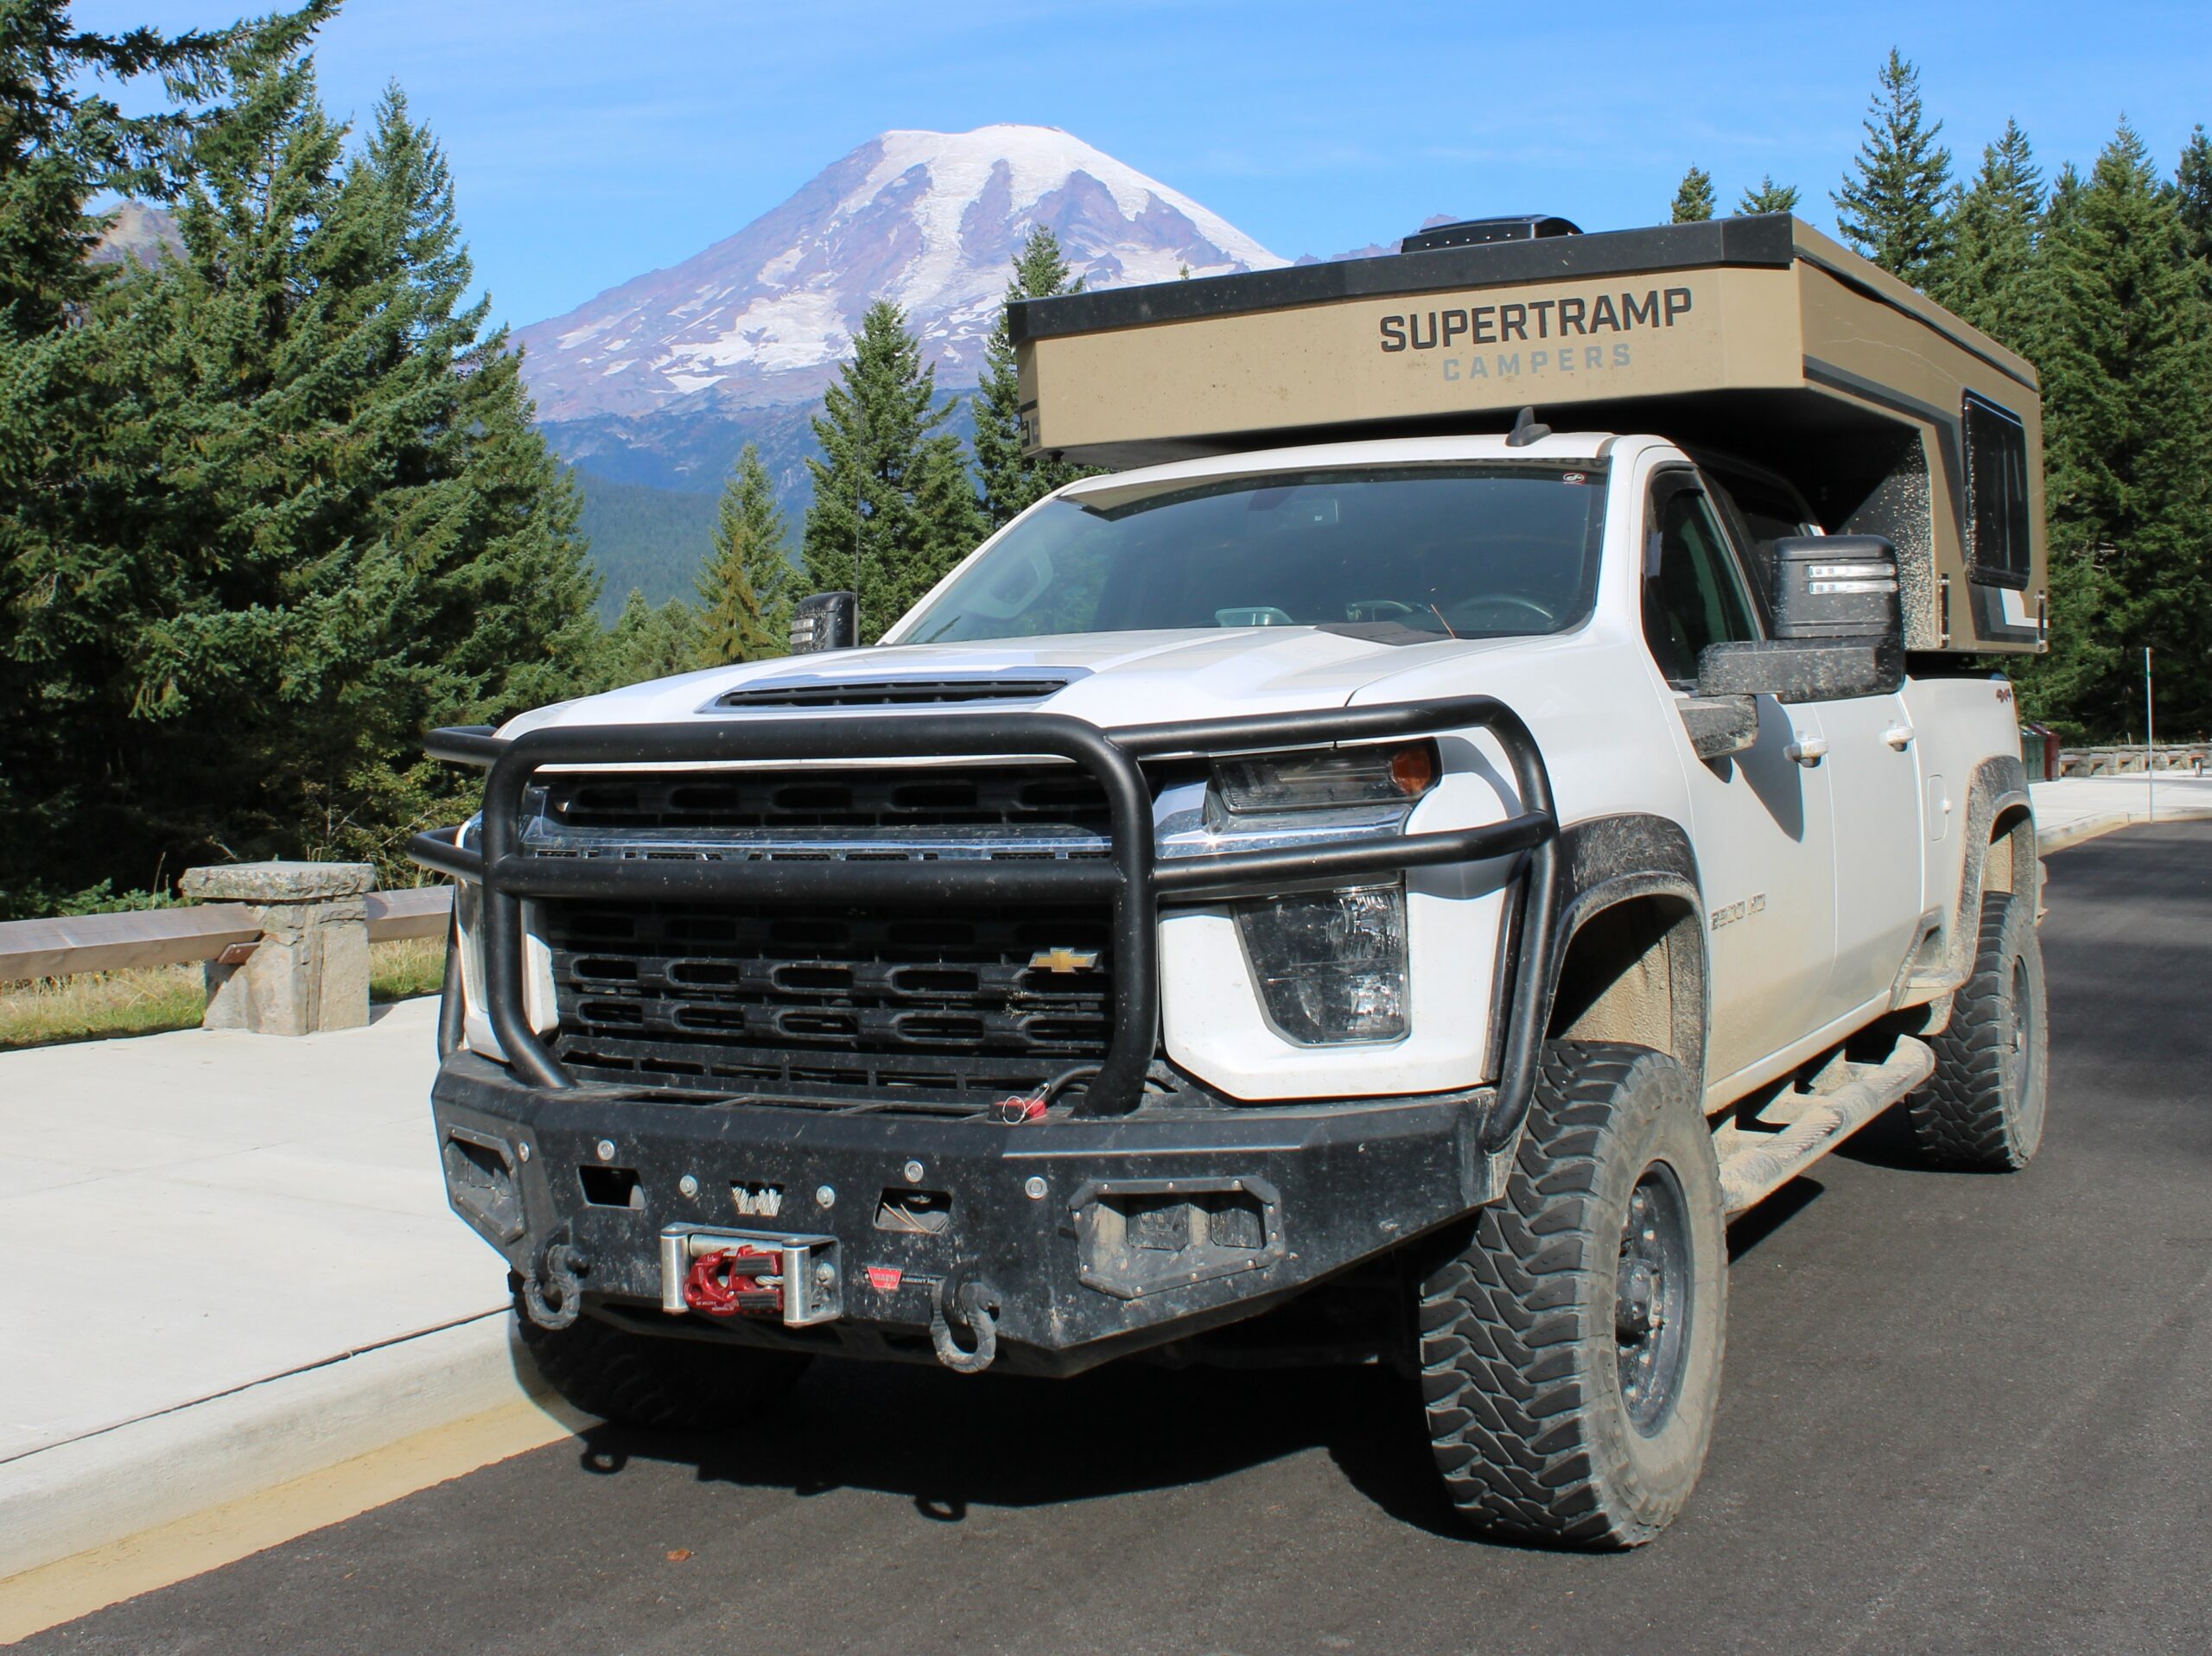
(1463, 552)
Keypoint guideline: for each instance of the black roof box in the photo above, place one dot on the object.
(1471, 233)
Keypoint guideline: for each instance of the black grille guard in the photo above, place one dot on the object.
(1131, 881)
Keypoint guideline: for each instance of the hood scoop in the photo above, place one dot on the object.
(894, 692)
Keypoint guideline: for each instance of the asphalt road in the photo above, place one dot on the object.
(1960, 1414)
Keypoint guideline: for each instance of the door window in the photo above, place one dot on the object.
(1693, 593)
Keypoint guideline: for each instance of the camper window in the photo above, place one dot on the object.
(1693, 593)
(1997, 494)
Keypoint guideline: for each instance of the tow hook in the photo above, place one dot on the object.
(974, 1304)
(734, 1279)
(560, 1268)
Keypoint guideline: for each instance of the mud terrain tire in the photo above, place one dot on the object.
(1983, 1108)
(658, 1382)
(1549, 1425)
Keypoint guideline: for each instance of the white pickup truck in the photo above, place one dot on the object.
(1386, 898)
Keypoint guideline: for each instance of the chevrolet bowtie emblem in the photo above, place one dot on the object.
(1064, 960)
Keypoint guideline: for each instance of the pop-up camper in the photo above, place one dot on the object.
(1758, 338)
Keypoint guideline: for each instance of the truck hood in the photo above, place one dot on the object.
(1114, 678)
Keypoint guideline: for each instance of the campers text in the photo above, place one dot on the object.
(1548, 318)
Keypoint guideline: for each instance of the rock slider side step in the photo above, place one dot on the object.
(1753, 1174)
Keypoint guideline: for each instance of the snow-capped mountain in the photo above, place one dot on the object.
(929, 219)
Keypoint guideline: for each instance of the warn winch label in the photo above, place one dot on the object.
(757, 1201)
(885, 1279)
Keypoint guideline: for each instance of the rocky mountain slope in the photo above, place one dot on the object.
(929, 219)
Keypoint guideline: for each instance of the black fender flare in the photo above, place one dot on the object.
(1607, 860)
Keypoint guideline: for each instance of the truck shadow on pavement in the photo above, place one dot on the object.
(948, 1443)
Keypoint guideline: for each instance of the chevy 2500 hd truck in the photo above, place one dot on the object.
(1372, 875)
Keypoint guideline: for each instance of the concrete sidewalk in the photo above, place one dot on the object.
(2074, 809)
(230, 1263)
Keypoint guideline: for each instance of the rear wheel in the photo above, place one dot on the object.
(1984, 1106)
(658, 1381)
(1570, 1351)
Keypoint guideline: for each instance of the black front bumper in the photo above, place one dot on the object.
(1095, 1235)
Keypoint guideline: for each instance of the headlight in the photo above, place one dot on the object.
(1332, 964)
(1393, 775)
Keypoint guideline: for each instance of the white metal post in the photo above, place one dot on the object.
(2149, 743)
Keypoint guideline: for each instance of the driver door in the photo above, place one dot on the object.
(1761, 819)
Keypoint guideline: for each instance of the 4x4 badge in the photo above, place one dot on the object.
(1064, 960)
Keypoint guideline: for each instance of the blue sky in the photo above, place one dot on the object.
(595, 139)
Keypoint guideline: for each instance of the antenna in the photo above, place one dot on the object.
(1526, 430)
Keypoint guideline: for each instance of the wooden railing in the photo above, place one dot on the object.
(107, 943)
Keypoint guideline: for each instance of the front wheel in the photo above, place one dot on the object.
(1570, 1351)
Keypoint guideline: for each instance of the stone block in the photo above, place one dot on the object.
(310, 970)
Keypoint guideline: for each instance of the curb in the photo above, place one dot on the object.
(2091, 827)
(2086, 827)
(94, 1491)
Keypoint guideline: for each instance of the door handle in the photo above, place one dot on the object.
(1808, 750)
(1898, 736)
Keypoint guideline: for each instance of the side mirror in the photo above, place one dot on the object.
(1838, 630)
(826, 621)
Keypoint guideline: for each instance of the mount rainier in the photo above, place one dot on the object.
(929, 219)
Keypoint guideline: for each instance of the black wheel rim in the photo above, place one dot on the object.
(1651, 1306)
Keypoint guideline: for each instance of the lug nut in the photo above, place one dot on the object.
(825, 1196)
(913, 1171)
(606, 1150)
(689, 1185)
(1034, 1187)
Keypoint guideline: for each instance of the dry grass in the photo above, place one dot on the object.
(144, 1001)
(411, 967)
(150, 1000)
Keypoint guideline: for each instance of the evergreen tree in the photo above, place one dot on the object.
(645, 642)
(1693, 200)
(746, 590)
(1991, 278)
(312, 520)
(61, 144)
(894, 509)
(2126, 354)
(1770, 197)
(2193, 195)
(1010, 480)
(1893, 205)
